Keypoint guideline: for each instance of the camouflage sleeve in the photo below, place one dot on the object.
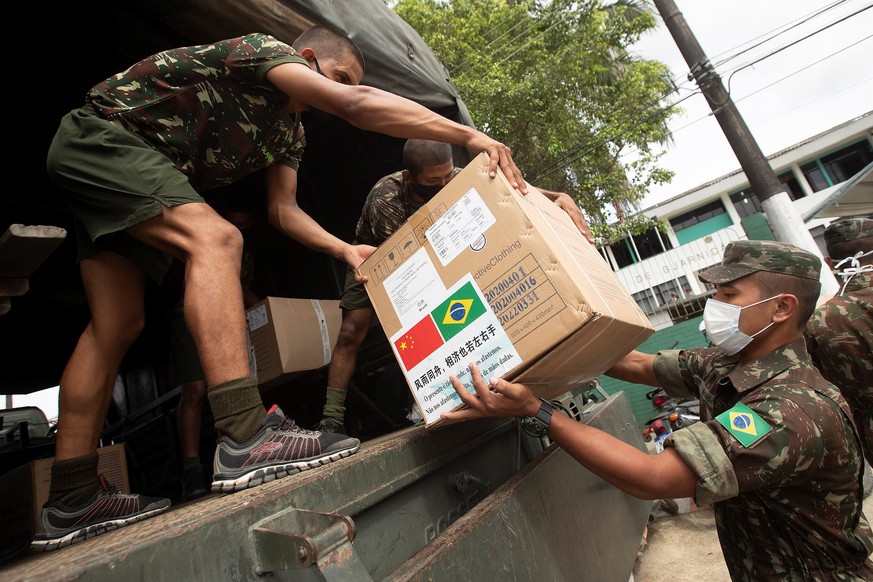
(388, 217)
(809, 336)
(293, 153)
(704, 454)
(251, 59)
(806, 428)
(676, 370)
(839, 338)
(383, 212)
(799, 433)
(258, 53)
(365, 230)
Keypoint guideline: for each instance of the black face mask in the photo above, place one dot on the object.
(318, 68)
(427, 192)
(316, 116)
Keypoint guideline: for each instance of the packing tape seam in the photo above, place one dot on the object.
(325, 336)
(584, 274)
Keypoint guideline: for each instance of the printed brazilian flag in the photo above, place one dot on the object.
(744, 424)
(458, 311)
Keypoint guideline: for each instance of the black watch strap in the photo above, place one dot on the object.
(538, 425)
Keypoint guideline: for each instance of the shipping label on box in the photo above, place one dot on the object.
(461, 329)
(291, 336)
(565, 314)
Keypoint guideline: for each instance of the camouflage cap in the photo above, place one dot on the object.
(744, 257)
(848, 229)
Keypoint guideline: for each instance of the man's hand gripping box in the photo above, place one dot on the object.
(485, 274)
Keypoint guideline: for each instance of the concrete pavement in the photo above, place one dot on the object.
(683, 547)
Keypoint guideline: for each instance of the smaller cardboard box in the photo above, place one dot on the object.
(25, 489)
(292, 336)
(483, 273)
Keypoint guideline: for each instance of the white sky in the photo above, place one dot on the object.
(779, 113)
(46, 399)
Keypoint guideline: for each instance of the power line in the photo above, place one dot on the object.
(756, 91)
(804, 68)
(788, 26)
(789, 45)
(582, 150)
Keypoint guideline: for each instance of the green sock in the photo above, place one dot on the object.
(75, 480)
(335, 405)
(237, 408)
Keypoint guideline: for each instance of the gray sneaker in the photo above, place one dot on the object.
(279, 449)
(59, 525)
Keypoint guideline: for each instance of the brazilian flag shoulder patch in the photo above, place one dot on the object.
(744, 424)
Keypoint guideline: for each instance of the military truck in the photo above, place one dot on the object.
(478, 500)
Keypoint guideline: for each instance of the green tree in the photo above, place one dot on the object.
(555, 81)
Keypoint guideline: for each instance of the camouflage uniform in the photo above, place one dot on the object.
(172, 126)
(389, 204)
(387, 207)
(788, 502)
(839, 336)
(208, 108)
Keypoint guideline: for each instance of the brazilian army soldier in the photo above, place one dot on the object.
(776, 453)
(839, 335)
(427, 167)
(133, 161)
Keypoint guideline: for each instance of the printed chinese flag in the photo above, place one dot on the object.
(418, 343)
(458, 311)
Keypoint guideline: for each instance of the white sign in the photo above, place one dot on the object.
(459, 330)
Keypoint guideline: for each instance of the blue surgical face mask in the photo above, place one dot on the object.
(722, 322)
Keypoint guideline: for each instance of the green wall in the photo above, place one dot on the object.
(757, 228)
(682, 335)
(687, 333)
(701, 229)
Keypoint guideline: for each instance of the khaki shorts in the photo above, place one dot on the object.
(113, 180)
(354, 294)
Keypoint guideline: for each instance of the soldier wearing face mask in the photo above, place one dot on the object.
(427, 167)
(776, 452)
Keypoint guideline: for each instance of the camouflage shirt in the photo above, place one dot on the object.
(788, 506)
(387, 207)
(208, 108)
(839, 337)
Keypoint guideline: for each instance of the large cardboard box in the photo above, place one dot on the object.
(292, 336)
(24, 490)
(483, 273)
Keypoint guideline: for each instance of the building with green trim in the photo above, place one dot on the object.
(659, 268)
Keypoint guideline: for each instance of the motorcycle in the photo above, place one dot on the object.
(673, 414)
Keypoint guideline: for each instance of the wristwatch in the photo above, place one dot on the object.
(538, 425)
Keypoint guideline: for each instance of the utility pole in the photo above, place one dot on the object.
(783, 217)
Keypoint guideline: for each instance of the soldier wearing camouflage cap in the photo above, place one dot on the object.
(775, 453)
(847, 230)
(839, 335)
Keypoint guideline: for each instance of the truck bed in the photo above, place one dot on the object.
(471, 501)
